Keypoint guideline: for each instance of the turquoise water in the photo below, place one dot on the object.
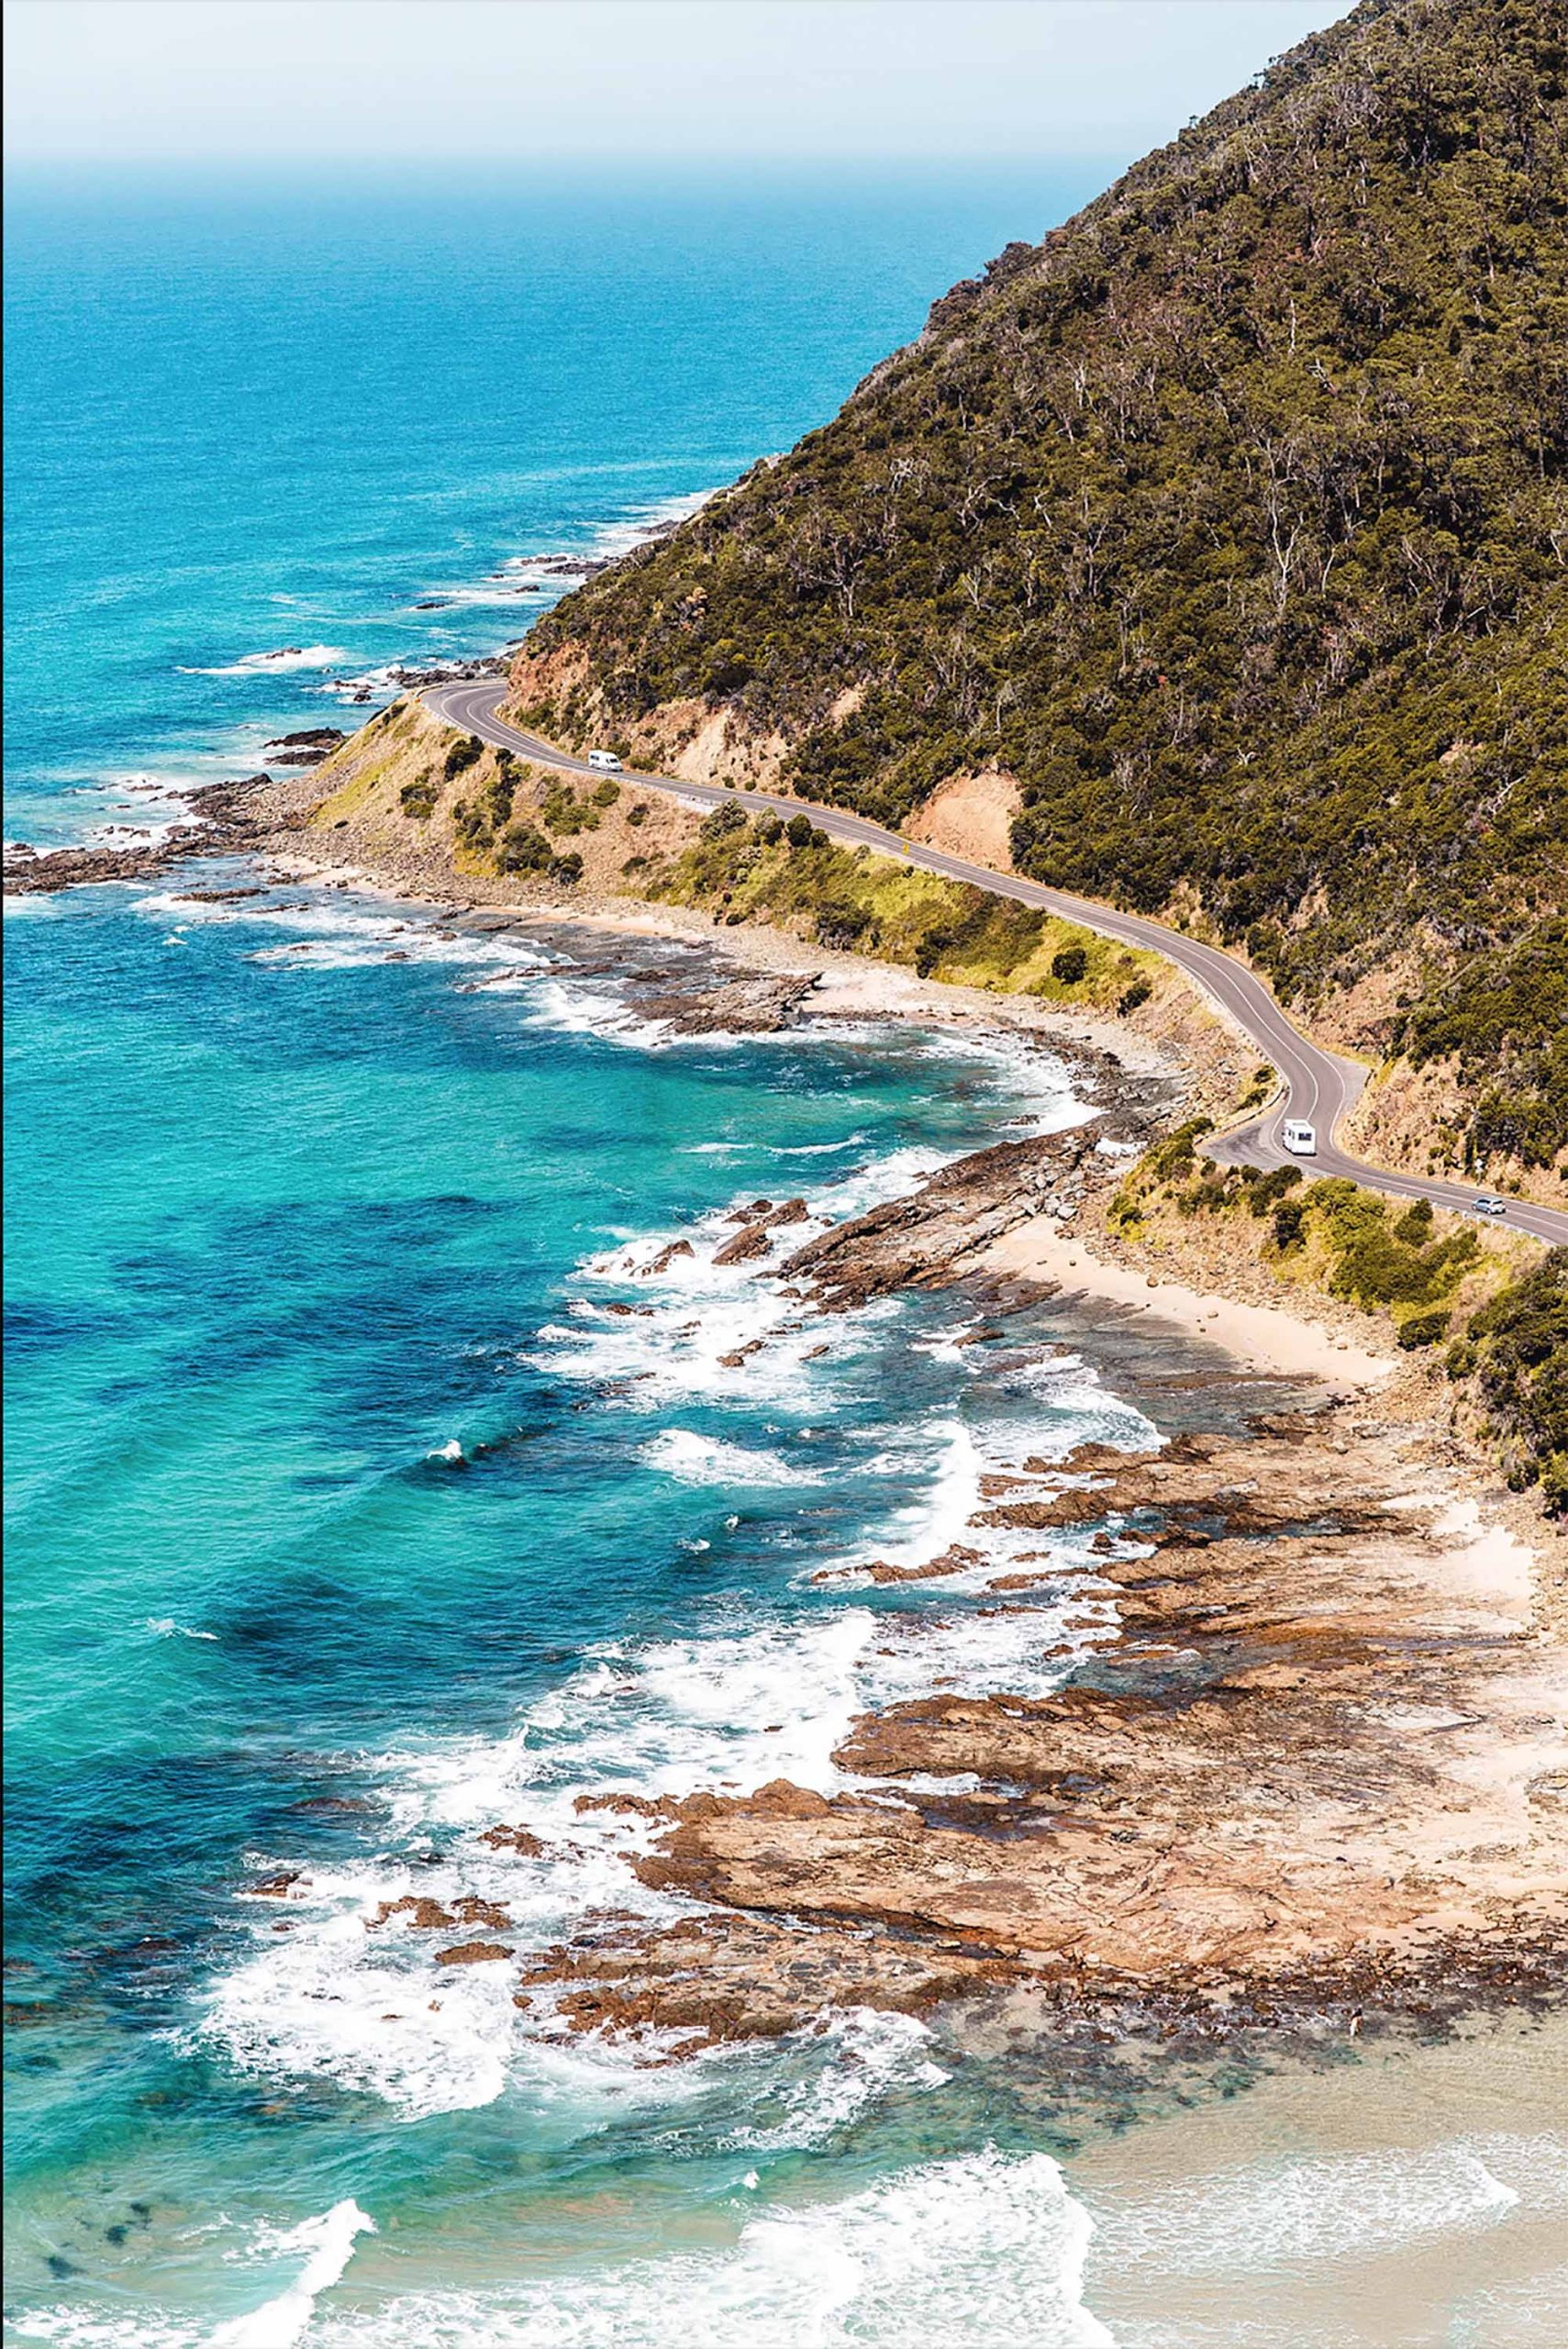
(346, 1519)
(343, 1518)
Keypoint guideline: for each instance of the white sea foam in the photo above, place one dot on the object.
(163, 1627)
(329, 936)
(725, 1710)
(328, 2245)
(383, 679)
(729, 1708)
(611, 540)
(576, 1009)
(869, 2055)
(695, 1459)
(696, 1314)
(1283, 2211)
(332, 2001)
(771, 1149)
(262, 664)
(125, 836)
(984, 2251)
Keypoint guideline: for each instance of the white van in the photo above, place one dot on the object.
(606, 759)
(1299, 1136)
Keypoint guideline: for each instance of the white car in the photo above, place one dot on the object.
(604, 759)
(1487, 1205)
(1299, 1136)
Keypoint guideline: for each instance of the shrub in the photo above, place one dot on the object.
(523, 849)
(842, 923)
(418, 798)
(1138, 991)
(1266, 1191)
(1424, 1327)
(1211, 1196)
(464, 754)
(607, 793)
(1070, 966)
(1520, 1344)
(1177, 1152)
(567, 869)
(728, 818)
(1290, 1224)
(799, 832)
(637, 816)
(563, 812)
(471, 825)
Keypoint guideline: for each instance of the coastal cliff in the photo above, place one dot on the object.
(1215, 543)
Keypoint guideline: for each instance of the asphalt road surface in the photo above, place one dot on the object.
(1318, 1085)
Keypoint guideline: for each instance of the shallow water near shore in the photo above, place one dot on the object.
(369, 1487)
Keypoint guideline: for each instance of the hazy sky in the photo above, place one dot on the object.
(246, 81)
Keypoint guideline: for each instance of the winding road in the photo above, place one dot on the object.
(1318, 1085)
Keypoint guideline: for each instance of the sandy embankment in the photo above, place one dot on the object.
(1257, 1337)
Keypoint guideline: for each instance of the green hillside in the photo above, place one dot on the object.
(1229, 521)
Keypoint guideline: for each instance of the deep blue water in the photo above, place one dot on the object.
(344, 1520)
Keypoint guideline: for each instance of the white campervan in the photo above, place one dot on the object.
(1299, 1136)
(604, 759)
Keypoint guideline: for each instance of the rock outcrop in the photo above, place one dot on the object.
(924, 1240)
(1315, 1766)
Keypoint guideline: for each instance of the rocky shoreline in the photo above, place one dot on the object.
(241, 817)
(1312, 1779)
(1308, 1775)
(1317, 1770)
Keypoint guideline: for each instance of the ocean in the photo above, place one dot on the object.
(348, 1515)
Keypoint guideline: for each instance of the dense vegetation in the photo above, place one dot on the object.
(1504, 1016)
(1365, 1249)
(1512, 1349)
(1517, 1350)
(1230, 521)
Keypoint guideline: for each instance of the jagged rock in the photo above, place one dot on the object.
(751, 1240)
(473, 1953)
(956, 1559)
(720, 1978)
(427, 1915)
(225, 820)
(750, 1006)
(925, 1241)
(306, 748)
(520, 1839)
(1239, 1816)
(78, 868)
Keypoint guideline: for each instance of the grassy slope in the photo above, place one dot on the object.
(1232, 522)
(387, 796)
(1495, 1304)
